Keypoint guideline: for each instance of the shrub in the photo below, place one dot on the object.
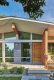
(5, 69)
(16, 70)
(13, 70)
(20, 70)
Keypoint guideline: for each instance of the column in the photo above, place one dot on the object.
(31, 36)
(46, 48)
(17, 36)
(31, 47)
(46, 42)
(3, 49)
(30, 52)
(17, 51)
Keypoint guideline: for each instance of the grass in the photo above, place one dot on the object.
(10, 78)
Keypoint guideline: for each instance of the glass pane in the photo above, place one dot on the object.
(10, 35)
(36, 37)
(51, 37)
(24, 35)
(9, 59)
(0, 59)
(25, 52)
(51, 48)
(9, 51)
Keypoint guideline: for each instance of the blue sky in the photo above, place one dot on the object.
(16, 9)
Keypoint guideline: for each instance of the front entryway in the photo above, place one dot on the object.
(36, 53)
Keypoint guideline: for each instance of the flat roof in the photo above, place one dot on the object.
(25, 25)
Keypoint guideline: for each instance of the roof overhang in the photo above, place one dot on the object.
(25, 25)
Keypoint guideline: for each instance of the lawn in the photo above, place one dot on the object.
(10, 78)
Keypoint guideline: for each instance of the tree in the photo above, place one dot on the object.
(34, 8)
(4, 2)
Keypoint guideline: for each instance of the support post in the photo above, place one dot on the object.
(31, 36)
(46, 47)
(46, 42)
(17, 37)
(3, 49)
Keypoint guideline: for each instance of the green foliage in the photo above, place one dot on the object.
(51, 48)
(5, 69)
(4, 2)
(16, 70)
(8, 52)
(20, 70)
(13, 70)
(10, 78)
(33, 7)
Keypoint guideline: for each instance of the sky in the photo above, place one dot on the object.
(16, 9)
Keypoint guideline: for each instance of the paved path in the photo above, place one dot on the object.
(27, 66)
(35, 78)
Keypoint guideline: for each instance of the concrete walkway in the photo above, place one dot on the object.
(27, 66)
(35, 78)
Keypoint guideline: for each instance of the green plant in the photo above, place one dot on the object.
(5, 69)
(16, 70)
(13, 70)
(20, 70)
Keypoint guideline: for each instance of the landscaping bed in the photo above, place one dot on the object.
(10, 78)
(14, 70)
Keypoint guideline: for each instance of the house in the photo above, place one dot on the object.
(32, 40)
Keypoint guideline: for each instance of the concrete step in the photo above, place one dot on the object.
(35, 78)
(39, 72)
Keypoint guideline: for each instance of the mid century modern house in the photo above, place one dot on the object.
(32, 40)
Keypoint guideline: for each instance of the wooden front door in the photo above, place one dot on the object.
(36, 52)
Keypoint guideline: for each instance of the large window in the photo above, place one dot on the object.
(0, 52)
(10, 35)
(24, 36)
(36, 37)
(9, 56)
(25, 52)
(51, 48)
(51, 37)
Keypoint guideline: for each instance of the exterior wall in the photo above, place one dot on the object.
(51, 31)
(36, 52)
(17, 52)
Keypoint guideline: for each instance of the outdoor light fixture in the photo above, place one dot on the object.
(13, 26)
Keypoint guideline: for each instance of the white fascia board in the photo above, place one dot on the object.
(42, 22)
